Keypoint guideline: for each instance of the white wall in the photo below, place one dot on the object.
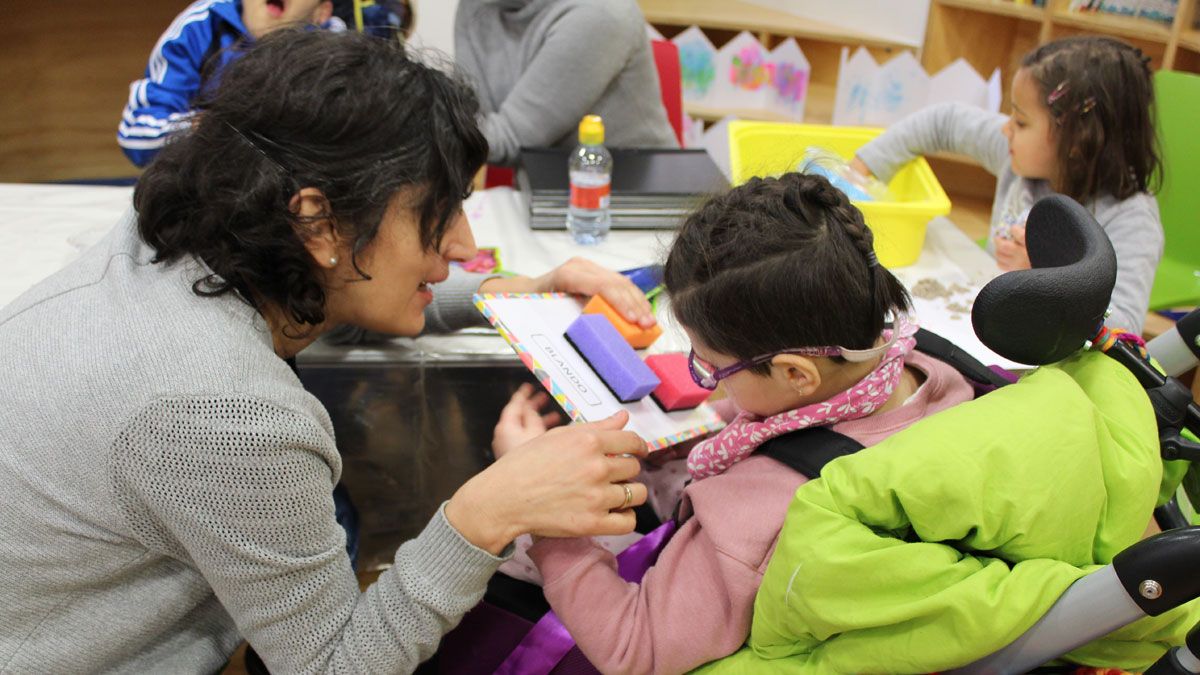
(901, 20)
(435, 24)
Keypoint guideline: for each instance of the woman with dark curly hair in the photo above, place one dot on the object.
(167, 480)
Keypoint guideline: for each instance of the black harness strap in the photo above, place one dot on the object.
(944, 350)
(807, 451)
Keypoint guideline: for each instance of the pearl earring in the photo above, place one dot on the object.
(333, 261)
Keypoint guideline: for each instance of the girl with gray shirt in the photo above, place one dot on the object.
(167, 479)
(1081, 126)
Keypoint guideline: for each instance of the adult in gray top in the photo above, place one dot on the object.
(166, 478)
(540, 65)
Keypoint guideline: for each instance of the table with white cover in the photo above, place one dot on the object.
(414, 417)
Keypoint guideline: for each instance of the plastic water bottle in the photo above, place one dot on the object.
(590, 168)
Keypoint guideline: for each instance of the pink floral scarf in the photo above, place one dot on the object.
(746, 432)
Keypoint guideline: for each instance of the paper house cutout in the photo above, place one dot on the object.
(716, 142)
(856, 87)
(743, 74)
(872, 95)
(958, 82)
(790, 74)
(697, 64)
(903, 89)
(693, 132)
(994, 92)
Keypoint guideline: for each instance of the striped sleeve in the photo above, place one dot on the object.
(160, 103)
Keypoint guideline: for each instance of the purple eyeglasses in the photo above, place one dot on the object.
(704, 375)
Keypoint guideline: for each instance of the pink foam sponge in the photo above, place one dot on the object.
(607, 352)
(677, 391)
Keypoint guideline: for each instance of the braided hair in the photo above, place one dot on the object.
(779, 263)
(1099, 93)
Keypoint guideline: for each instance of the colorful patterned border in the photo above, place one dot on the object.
(522, 353)
(543, 377)
(668, 441)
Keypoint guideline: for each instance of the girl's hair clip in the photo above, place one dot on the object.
(1057, 93)
(1088, 104)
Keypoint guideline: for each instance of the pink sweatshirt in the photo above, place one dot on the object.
(695, 604)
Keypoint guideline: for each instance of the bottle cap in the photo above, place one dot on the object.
(591, 130)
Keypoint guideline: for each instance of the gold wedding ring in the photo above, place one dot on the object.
(628, 497)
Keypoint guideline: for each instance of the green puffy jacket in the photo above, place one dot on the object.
(948, 540)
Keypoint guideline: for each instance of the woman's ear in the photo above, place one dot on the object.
(801, 373)
(316, 227)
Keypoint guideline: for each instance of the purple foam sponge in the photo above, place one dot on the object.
(677, 391)
(607, 352)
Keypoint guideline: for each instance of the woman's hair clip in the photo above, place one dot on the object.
(1088, 104)
(1057, 93)
(246, 139)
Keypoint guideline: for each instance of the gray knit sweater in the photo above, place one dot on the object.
(166, 490)
(539, 66)
(1132, 225)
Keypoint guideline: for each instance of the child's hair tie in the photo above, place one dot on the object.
(872, 261)
(1057, 93)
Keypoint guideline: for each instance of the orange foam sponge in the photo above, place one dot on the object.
(677, 390)
(635, 335)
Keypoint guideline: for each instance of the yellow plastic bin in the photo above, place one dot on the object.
(772, 148)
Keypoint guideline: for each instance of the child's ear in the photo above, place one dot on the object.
(316, 227)
(323, 13)
(801, 372)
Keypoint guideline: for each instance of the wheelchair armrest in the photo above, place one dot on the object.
(1149, 578)
(1159, 573)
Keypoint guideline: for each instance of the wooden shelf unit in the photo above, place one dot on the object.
(822, 44)
(1190, 39)
(818, 109)
(989, 34)
(995, 33)
(762, 21)
(1000, 8)
(1130, 27)
(1187, 51)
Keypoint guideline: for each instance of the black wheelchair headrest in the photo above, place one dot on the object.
(1047, 313)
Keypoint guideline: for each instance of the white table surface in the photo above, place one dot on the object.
(44, 227)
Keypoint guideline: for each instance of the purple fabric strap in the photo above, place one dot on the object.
(548, 641)
(1005, 373)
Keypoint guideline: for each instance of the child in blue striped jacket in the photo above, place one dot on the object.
(161, 102)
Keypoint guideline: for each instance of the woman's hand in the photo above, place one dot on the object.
(1010, 253)
(568, 482)
(522, 420)
(582, 277)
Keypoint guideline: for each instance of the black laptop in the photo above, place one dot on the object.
(651, 188)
